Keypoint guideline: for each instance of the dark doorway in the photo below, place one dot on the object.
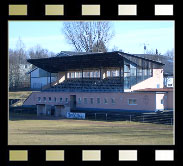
(73, 101)
(52, 111)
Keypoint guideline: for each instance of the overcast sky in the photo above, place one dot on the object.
(130, 36)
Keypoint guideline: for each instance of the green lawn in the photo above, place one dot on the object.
(86, 132)
(23, 95)
(19, 94)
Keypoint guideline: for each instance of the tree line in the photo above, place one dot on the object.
(18, 65)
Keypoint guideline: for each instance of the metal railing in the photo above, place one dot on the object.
(156, 118)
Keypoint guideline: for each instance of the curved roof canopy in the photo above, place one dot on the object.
(92, 60)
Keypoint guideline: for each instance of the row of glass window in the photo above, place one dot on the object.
(98, 100)
(106, 101)
(54, 99)
(112, 73)
(86, 100)
(92, 74)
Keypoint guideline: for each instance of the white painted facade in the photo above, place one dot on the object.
(37, 80)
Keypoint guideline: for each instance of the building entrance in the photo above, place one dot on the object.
(72, 101)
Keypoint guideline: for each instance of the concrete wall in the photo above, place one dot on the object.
(152, 82)
(144, 101)
(41, 110)
(58, 109)
(39, 82)
(170, 100)
(35, 73)
(61, 76)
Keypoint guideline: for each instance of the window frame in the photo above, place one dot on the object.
(91, 100)
(39, 99)
(85, 100)
(105, 99)
(44, 99)
(98, 100)
(79, 100)
(133, 102)
(113, 101)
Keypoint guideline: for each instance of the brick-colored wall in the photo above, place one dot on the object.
(144, 101)
(151, 82)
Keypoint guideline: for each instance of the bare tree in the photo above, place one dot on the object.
(99, 47)
(115, 48)
(170, 53)
(17, 61)
(38, 52)
(85, 36)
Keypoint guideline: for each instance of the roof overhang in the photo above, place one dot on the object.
(86, 61)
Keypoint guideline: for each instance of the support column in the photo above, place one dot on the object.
(103, 73)
(65, 75)
(82, 76)
(100, 73)
(50, 79)
(120, 73)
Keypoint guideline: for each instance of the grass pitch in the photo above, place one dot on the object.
(87, 132)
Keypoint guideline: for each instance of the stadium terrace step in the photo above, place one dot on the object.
(88, 84)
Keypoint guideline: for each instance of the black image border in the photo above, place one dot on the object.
(109, 153)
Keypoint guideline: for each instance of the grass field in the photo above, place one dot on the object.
(19, 94)
(87, 132)
(22, 95)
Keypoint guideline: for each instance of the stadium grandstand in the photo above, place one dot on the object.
(111, 81)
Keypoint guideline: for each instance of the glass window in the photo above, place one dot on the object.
(72, 75)
(117, 73)
(88, 74)
(127, 83)
(145, 72)
(91, 100)
(105, 100)
(95, 74)
(162, 101)
(49, 98)
(44, 99)
(66, 100)
(133, 72)
(68, 75)
(98, 100)
(112, 100)
(121, 71)
(113, 73)
(150, 72)
(77, 74)
(126, 74)
(79, 100)
(55, 99)
(108, 73)
(132, 101)
(80, 74)
(39, 99)
(85, 100)
(92, 74)
(126, 68)
(60, 99)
